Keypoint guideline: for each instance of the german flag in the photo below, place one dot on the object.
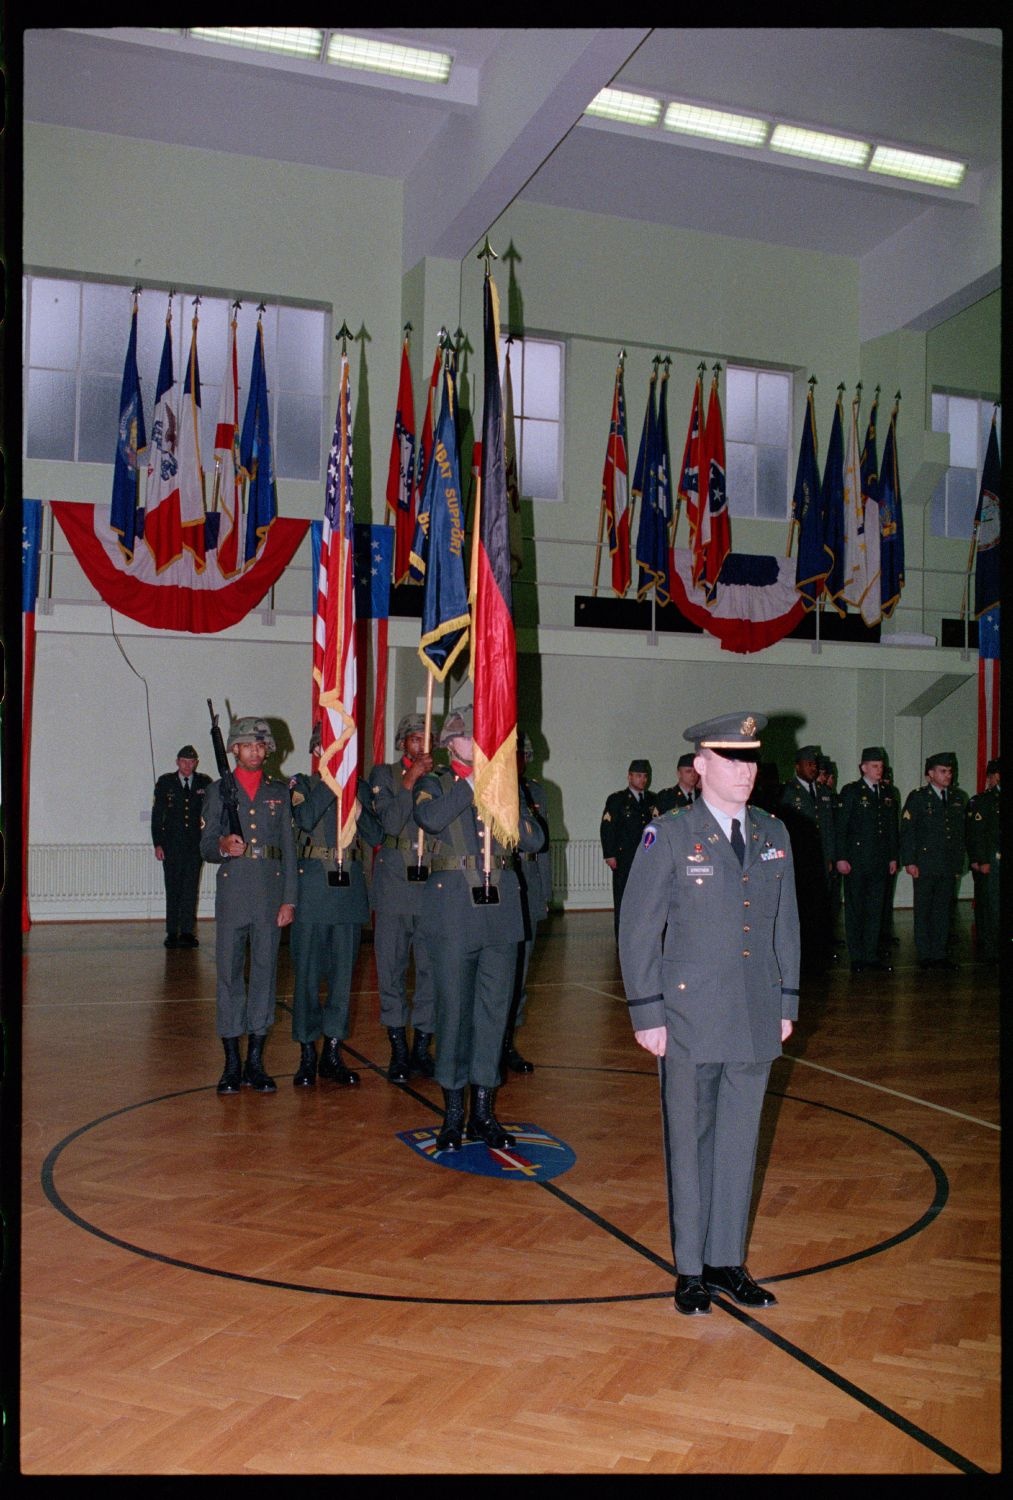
(494, 648)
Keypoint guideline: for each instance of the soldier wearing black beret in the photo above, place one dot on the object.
(622, 823)
(709, 949)
(807, 810)
(982, 839)
(932, 853)
(865, 835)
(175, 833)
(685, 791)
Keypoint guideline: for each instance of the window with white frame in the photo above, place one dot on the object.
(536, 379)
(968, 421)
(75, 343)
(757, 441)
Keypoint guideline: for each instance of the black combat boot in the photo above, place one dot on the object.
(254, 1076)
(482, 1123)
(512, 1058)
(331, 1065)
(307, 1074)
(399, 1066)
(449, 1138)
(421, 1062)
(233, 1072)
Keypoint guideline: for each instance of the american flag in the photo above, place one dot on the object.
(334, 665)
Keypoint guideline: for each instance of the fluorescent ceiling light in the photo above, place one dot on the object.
(632, 109)
(717, 124)
(387, 57)
(917, 166)
(841, 150)
(292, 41)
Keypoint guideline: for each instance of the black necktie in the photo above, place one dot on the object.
(738, 843)
(944, 797)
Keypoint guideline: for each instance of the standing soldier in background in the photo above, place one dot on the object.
(807, 811)
(332, 907)
(865, 836)
(399, 876)
(683, 794)
(982, 837)
(472, 944)
(932, 853)
(534, 871)
(175, 833)
(626, 814)
(255, 895)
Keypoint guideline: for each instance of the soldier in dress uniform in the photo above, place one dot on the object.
(534, 871)
(255, 897)
(175, 833)
(709, 949)
(622, 823)
(472, 943)
(333, 905)
(932, 853)
(982, 838)
(866, 844)
(807, 811)
(399, 875)
(685, 791)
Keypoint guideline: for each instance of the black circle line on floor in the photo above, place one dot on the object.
(794, 1351)
(58, 1202)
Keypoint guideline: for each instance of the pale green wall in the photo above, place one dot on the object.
(126, 210)
(964, 354)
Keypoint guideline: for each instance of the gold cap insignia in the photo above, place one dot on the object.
(748, 725)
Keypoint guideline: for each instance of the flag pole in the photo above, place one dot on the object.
(344, 333)
(488, 254)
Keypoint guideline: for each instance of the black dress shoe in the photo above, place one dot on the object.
(187, 940)
(691, 1296)
(512, 1059)
(171, 941)
(738, 1284)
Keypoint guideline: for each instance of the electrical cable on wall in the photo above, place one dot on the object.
(147, 699)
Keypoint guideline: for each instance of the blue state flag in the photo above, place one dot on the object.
(652, 536)
(813, 560)
(891, 523)
(131, 441)
(987, 583)
(445, 616)
(255, 456)
(832, 510)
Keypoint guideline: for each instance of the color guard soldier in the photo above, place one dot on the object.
(932, 853)
(534, 871)
(255, 895)
(472, 942)
(332, 908)
(622, 823)
(982, 839)
(175, 832)
(399, 876)
(709, 949)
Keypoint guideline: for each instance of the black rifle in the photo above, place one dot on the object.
(230, 792)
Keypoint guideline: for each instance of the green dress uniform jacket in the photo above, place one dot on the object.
(932, 838)
(473, 947)
(397, 902)
(176, 813)
(982, 840)
(865, 834)
(622, 824)
(249, 890)
(709, 949)
(670, 798)
(328, 924)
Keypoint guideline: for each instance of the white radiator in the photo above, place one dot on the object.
(103, 882)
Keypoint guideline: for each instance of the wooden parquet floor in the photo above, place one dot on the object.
(279, 1285)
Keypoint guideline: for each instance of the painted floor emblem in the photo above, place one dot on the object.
(536, 1156)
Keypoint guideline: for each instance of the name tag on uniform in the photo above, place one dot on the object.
(699, 869)
(772, 854)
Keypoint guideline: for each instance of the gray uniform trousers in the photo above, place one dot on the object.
(473, 948)
(248, 894)
(397, 905)
(327, 930)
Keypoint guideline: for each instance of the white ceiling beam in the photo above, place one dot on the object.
(533, 91)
